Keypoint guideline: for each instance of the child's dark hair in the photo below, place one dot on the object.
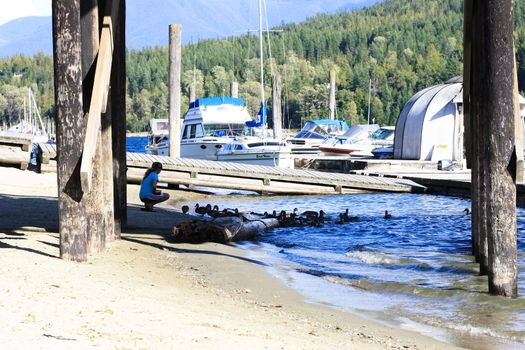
(154, 167)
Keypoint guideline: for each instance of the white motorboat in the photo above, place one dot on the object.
(209, 124)
(361, 146)
(314, 133)
(257, 152)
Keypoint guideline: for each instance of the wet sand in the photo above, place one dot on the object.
(146, 293)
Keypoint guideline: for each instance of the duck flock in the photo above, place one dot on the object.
(285, 219)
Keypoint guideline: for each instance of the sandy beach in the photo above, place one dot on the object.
(146, 293)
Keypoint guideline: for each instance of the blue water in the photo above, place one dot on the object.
(414, 269)
(136, 144)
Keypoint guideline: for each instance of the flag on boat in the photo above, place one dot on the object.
(261, 118)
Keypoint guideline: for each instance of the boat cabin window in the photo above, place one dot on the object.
(193, 131)
(222, 130)
(271, 143)
(237, 147)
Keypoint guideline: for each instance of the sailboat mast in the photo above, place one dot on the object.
(261, 52)
(30, 109)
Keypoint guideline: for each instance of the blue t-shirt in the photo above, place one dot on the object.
(146, 187)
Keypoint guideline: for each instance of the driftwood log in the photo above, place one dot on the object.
(222, 230)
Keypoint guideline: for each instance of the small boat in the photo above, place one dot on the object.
(158, 137)
(269, 152)
(383, 152)
(382, 137)
(314, 133)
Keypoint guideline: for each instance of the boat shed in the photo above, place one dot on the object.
(429, 126)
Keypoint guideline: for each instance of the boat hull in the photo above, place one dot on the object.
(281, 160)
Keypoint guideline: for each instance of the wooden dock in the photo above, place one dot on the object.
(237, 176)
(47, 154)
(15, 148)
(262, 179)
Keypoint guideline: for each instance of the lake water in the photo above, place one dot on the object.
(136, 143)
(413, 270)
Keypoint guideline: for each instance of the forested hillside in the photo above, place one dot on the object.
(401, 46)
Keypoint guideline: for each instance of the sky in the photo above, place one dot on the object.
(10, 10)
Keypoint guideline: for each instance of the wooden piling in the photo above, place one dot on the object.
(118, 122)
(492, 76)
(67, 50)
(276, 106)
(175, 33)
(478, 137)
(234, 89)
(331, 99)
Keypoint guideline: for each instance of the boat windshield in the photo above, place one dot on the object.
(221, 130)
(313, 130)
(381, 134)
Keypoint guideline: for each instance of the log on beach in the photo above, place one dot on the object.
(221, 230)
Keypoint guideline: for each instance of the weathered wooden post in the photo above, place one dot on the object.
(192, 94)
(118, 121)
(493, 104)
(175, 32)
(276, 107)
(67, 50)
(234, 89)
(331, 99)
(474, 140)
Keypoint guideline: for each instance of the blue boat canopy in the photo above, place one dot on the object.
(217, 101)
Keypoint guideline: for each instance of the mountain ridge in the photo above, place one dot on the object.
(147, 21)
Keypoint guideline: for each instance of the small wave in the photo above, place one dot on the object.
(477, 331)
(370, 257)
(285, 245)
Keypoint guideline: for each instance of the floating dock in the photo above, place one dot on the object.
(262, 179)
(237, 176)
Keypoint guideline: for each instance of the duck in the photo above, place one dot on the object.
(214, 211)
(230, 212)
(466, 211)
(310, 213)
(347, 218)
(185, 209)
(273, 215)
(202, 210)
(341, 220)
(318, 220)
(387, 215)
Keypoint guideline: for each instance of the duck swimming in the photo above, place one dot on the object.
(387, 215)
(185, 209)
(202, 210)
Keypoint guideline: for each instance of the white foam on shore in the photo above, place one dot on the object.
(371, 258)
